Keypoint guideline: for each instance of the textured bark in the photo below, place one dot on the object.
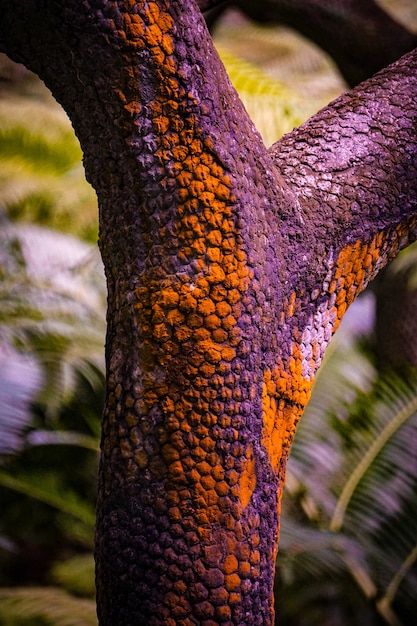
(228, 269)
(357, 34)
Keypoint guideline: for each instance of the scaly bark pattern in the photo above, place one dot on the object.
(228, 269)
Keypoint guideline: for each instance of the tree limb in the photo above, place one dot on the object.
(354, 167)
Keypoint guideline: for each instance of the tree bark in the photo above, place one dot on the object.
(228, 269)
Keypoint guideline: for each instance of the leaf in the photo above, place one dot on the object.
(354, 454)
(41, 176)
(35, 152)
(76, 575)
(51, 604)
(273, 107)
(366, 455)
(45, 488)
(62, 438)
(52, 306)
(20, 381)
(281, 78)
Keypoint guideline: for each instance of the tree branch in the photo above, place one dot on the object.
(354, 168)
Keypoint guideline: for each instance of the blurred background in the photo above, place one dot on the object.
(348, 551)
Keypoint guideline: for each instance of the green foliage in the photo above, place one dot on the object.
(52, 325)
(274, 108)
(46, 487)
(76, 575)
(281, 78)
(52, 299)
(41, 176)
(349, 526)
(44, 607)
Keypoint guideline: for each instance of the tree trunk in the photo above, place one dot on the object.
(228, 269)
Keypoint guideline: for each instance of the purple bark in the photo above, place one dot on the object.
(228, 269)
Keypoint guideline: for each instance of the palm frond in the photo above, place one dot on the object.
(52, 306)
(317, 553)
(76, 575)
(20, 606)
(353, 473)
(398, 577)
(272, 106)
(42, 180)
(20, 380)
(394, 411)
(47, 489)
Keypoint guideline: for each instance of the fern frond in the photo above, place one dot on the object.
(272, 106)
(50, 604)
(52, 300)
(45, 488)
(20, 381)
(365, 458)
(76, 575)
(42, 179)
(40, 437)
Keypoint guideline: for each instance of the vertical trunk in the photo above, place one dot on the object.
(193, 454)
(188, 506)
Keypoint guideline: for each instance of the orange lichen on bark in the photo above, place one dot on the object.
(247, 480)
(198, 313)
(356, 264)
(287, 387)
(284, 395)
